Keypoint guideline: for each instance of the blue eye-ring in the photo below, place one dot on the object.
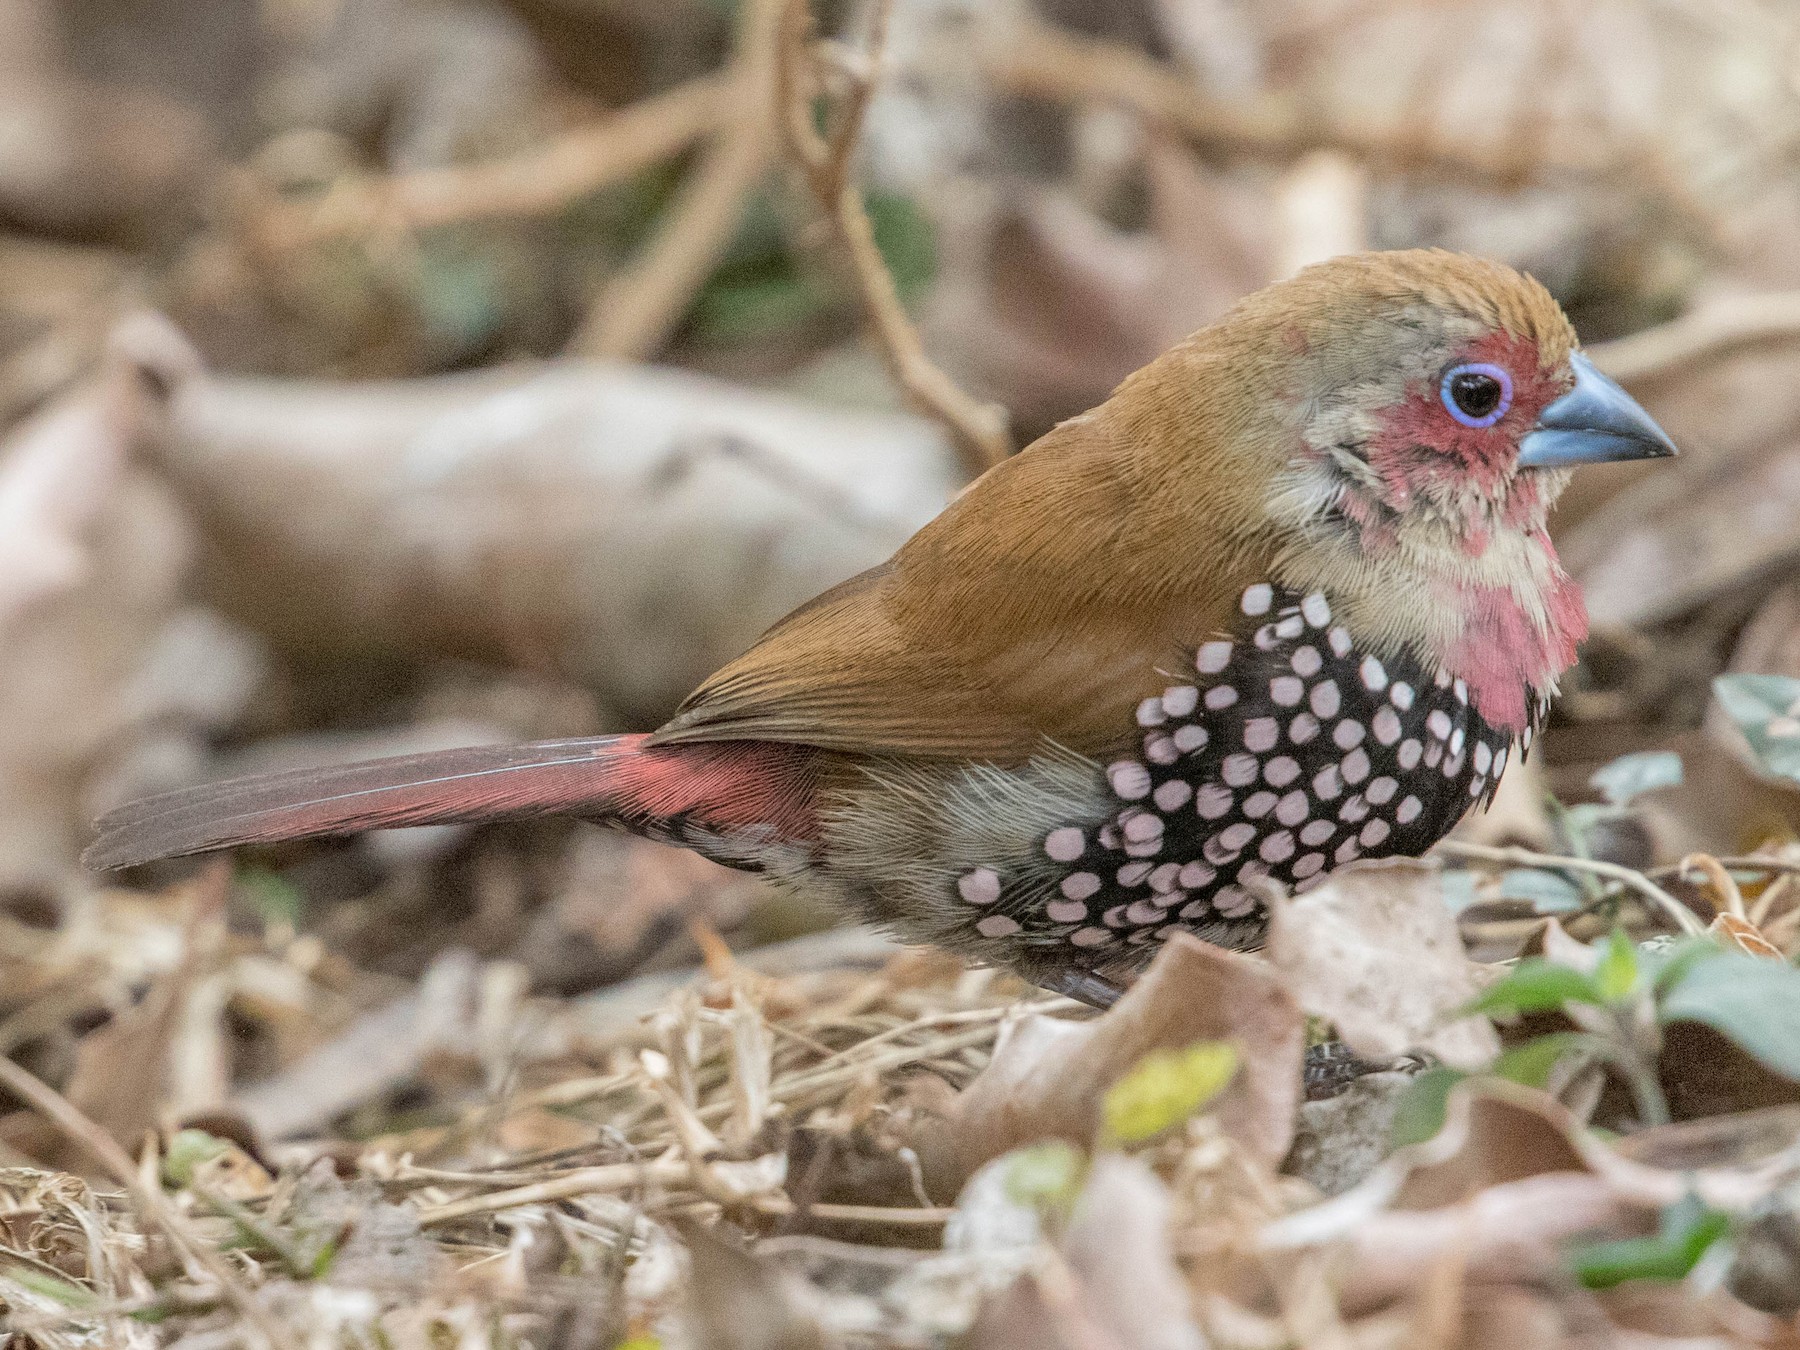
(1476, 393)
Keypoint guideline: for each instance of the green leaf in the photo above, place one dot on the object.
(1419, 1113)
(187, 1151)
(1688, 1228)
(1752, 1000)
(1617, 974)
(1164, 1088)
(1766, 709)
(1531, 1062)
(274, 898)
(46, 1284)
(1629, 776)
(1045, 1176)
(1546, 892)
(1536, 985)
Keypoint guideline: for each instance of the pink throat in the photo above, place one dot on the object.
(1504, 657)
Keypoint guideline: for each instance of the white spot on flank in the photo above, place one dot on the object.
(1259, 804)
(1144, 912)
(1161, 749)
(1130, 780)
(1178, 700)
(1316, 610)
(1381, 791)
(1190, 738)
(1292, 809)
(1307, 662)
(1355, 766)
(1410, 750)
(1402, 695)
(1354, 811)
(1374, 674)
(1484, 757)
(1316, 832)
(1326, 783)
(1462, 691)
(1308, 865)
(1133, 873)
(1281, 771)
(1211, 802)
(1258, 598)
(1499, 761)
(1456, 741)
(1212, 658)
(1324, 700)
(1196, 874)
(1172, 795)
(1386, 726)
(1289, 628)
(1236, 836)
(1261, 734)
(1163, 877)
(1438, 724)
(1080, 885)
(1150, 713)
(1409, 810)
(1090, 937)
(1348, 851)
(1277, 847)
(1066, 911)
(1347, 734)
(1339, 638)
(1265, 638)
(1303, 728)
(980, 886)
(997, 926)
(1286, 690)
(1373, 833)
(1142, 827)
(1065, 845)
(1234, 903)
(1238, 770)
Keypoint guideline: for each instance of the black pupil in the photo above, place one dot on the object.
(1476, 394)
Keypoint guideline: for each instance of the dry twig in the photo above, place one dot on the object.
(823, 158)
(637, 309)
(537, 182)
(1711, 333)
(1680, 914)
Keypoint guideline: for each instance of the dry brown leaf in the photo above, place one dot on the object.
(1376, 952)
(1048, 1077)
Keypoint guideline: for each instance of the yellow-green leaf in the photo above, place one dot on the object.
(1165, 1088)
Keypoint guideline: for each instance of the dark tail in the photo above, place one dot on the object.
(668, 791)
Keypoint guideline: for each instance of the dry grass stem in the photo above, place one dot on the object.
(149, 1201)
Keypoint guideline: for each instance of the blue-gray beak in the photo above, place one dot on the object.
(1593, 423)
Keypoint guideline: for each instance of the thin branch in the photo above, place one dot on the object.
(638, 308)
(83, 1132)
(1683, 917)
(1711, 333)
(537, 182)
(978, 429)
(1044, 61)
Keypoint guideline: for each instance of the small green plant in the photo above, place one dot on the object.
(1164, 1089)
(1687, 1231)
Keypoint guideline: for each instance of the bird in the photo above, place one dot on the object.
(1285, 600)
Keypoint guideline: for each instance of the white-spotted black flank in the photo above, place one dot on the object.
(1289, 753)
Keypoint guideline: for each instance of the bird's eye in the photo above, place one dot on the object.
(1476, 394)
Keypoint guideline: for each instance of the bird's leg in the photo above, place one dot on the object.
(1084, 987)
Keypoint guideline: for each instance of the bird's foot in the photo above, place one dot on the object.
(1084, 987)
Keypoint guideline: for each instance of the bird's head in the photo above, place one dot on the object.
(1406, 422)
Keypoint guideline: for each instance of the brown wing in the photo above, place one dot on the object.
(1043, 604)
